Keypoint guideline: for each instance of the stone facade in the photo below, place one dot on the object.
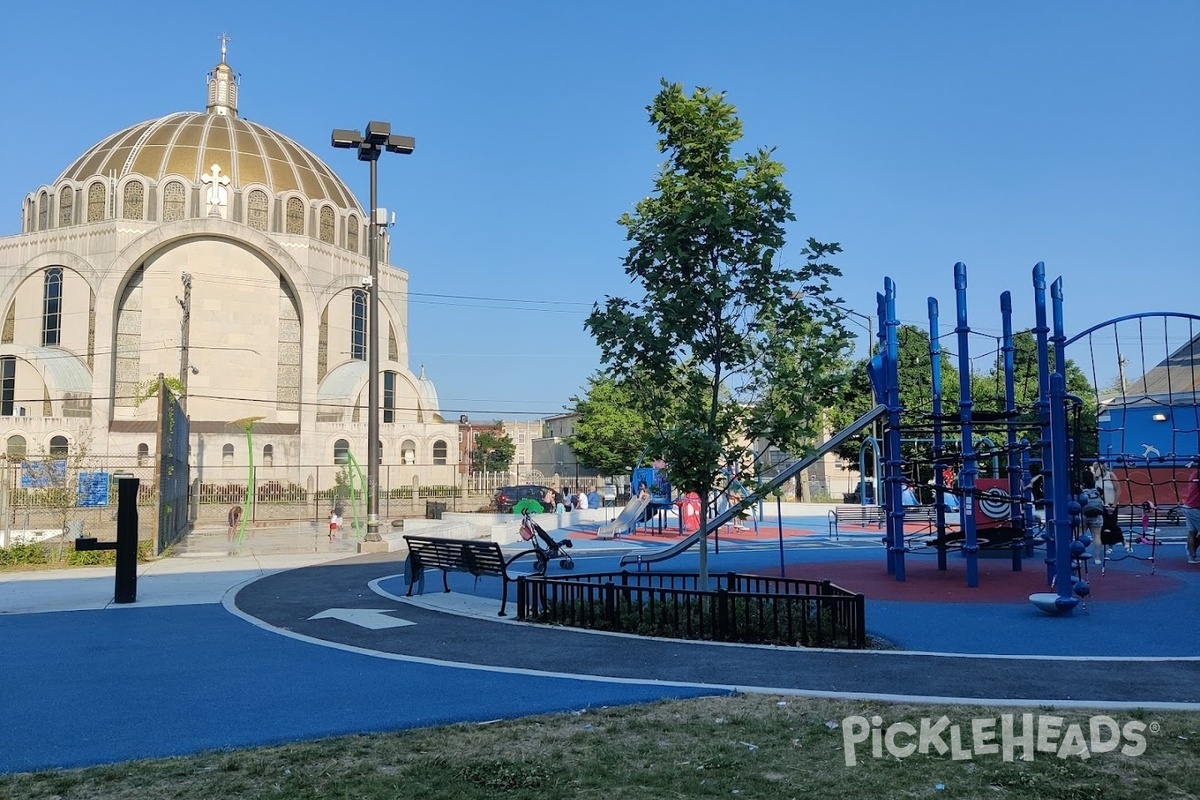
(265, 249)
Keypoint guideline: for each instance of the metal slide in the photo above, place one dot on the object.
(629, 515)
(716, 522)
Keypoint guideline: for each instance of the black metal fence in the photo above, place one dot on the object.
(732, 608)
(173, 473)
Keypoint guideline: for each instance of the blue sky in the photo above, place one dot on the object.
(917, 134)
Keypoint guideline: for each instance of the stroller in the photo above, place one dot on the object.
(544, 546)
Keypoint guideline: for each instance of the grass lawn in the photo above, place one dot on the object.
(743, 746)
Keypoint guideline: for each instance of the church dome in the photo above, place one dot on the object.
(189, 144)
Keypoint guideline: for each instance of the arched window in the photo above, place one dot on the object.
(96, 202)
(173, 202)
(358, 328)
(327, 224)
(227, 456)
(408, 452)
(439, 452)
(16, 446)
(256, 210)
(66, 207)
(295, 215)
(341, 452)
(43, 211)
(52, 307)
(143, 453)
(134, 201)
(58, 447)
(268, 455)
(389, 397)
(352, 233)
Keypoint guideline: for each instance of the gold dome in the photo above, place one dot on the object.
(188, 144)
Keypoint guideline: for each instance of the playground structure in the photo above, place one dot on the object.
(1048, 433)
(1042, 442)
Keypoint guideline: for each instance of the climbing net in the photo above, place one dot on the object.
(1144, 371)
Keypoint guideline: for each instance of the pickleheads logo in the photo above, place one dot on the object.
(1009, 736)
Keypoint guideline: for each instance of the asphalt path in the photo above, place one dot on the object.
(288, 602)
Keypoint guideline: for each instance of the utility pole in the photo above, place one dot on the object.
(185, 329)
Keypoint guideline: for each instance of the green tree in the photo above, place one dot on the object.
(914, 368)
(612, 431)
(493, 452)
(987, 391)
(744, 346)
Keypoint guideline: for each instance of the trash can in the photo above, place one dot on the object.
(434, 509)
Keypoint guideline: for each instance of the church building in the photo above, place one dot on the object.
(217, 251)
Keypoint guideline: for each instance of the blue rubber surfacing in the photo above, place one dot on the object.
(95, 687)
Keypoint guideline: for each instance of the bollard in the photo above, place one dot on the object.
(126, 545)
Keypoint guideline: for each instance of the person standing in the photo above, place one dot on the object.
(1191, 510)
(1091, 505)
(335, 522)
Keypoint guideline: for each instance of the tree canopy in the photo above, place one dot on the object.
(493, 452)
(746, 347)
(612, 431)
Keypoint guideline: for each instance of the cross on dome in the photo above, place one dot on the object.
(218, 196)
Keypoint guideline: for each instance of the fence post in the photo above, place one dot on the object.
(860, 620)
(731, 582)
(722, 615)
(521, 598)
(610, 603)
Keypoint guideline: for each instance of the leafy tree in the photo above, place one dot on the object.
(723, 327)
(987, 391)
(914, 368)
(612, 431)
(493, 452)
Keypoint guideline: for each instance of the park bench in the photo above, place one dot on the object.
(855, 515)
(476, 557)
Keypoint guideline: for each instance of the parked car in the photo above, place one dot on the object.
(509, 496)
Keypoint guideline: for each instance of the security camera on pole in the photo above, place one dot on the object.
(377, 138)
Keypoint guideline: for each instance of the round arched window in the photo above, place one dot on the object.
(16, 446)
(58, 447)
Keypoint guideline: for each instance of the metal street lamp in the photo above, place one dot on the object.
(377, 138)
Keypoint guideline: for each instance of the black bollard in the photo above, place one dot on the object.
(127, 540)
(126, 545)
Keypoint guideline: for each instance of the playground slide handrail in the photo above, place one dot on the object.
(630, 514)
(724, 517)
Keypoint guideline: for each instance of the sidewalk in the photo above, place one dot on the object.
(201, 569)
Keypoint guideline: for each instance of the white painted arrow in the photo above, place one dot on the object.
(373, 618)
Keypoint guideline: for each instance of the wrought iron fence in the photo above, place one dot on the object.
(732, 608)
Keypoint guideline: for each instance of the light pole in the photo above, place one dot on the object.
(377, 138)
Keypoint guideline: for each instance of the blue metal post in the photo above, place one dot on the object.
(935, 376)
(966, 478)
(1010, 409)
(1057, 508)
(891, 449)
(1042, 333)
